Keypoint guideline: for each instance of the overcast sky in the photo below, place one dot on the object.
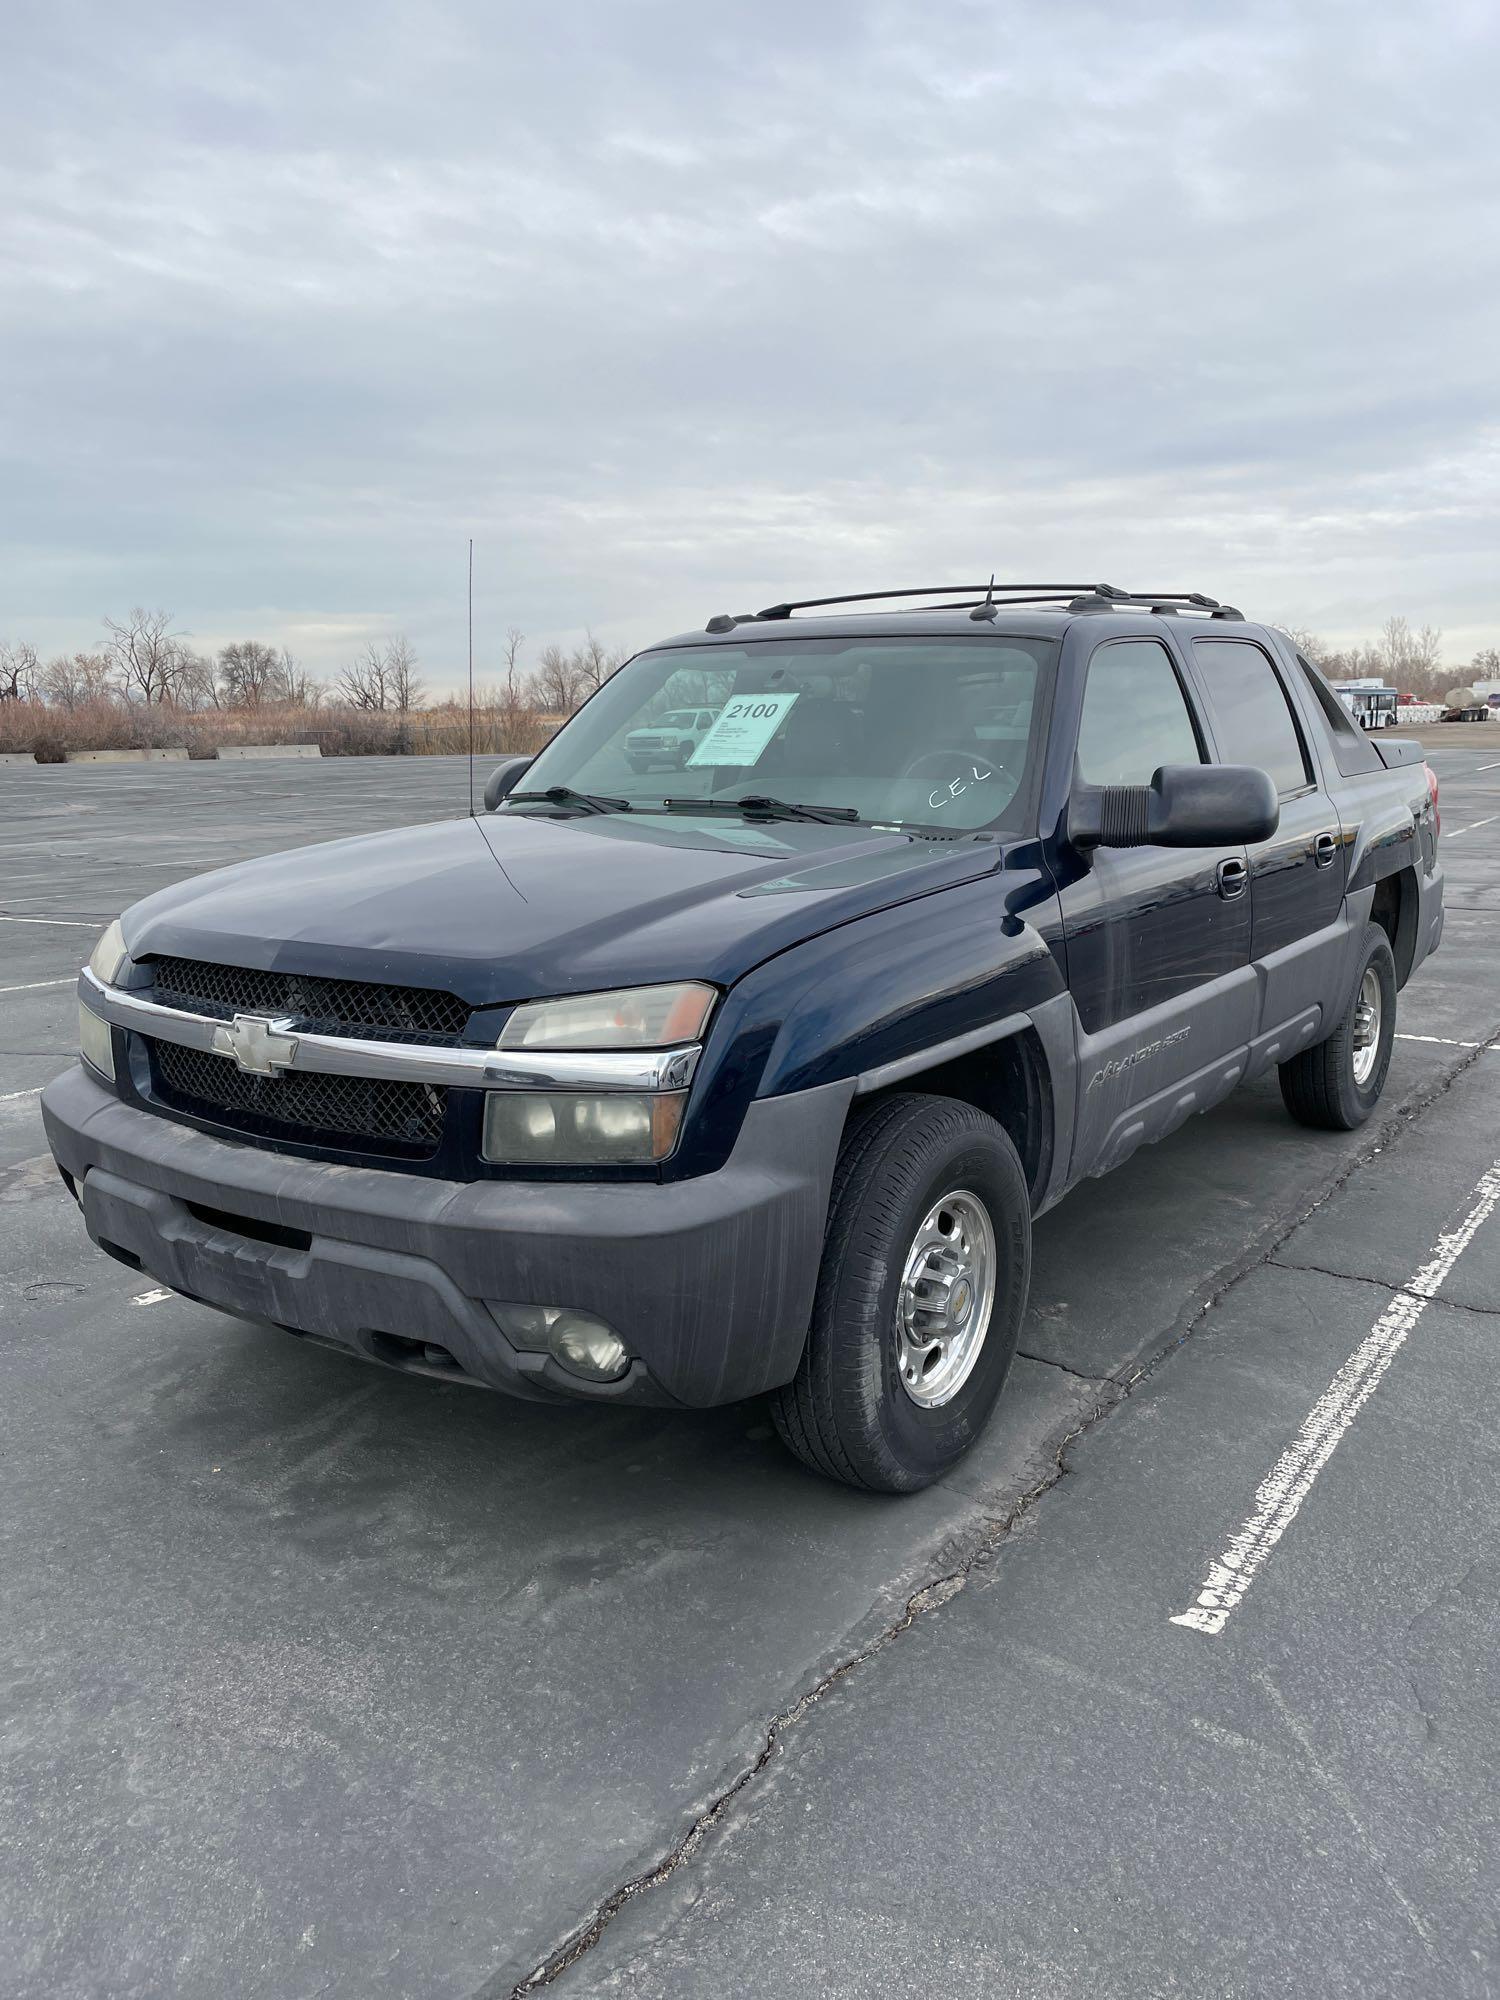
(679, 306)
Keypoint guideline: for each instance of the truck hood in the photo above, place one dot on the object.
(510, 907)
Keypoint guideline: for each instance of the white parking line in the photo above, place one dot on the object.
(1290, 1479)
(35, 985)
(1472, 827)
(11, 1096)
(151, 1298)
(1486, 767)
(68, 923)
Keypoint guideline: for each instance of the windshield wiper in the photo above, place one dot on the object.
(564, 795)
(756, 806)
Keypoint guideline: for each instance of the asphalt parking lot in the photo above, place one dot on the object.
(323, 1681)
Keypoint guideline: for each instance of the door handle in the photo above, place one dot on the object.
(1234, 878)
(1325, 850)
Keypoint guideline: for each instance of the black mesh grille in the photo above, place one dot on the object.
(365, 1113)
(321, 1006)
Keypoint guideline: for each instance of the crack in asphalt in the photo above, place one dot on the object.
(990, 1532)
(1046, 1361)
(930, 1597)
(1438, 1298)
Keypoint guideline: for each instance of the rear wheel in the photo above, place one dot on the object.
(1335, 1085)
(926, 1266)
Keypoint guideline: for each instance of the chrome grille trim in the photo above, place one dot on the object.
(347, 1055)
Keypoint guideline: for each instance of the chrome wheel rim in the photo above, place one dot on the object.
(1367, 1027)
(947, 1295)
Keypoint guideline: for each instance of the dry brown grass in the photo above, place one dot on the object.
(501, 725)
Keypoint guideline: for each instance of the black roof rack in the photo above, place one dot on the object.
(982, 600)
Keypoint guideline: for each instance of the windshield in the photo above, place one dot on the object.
(906, 731)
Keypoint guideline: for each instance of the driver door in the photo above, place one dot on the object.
(1157, 938)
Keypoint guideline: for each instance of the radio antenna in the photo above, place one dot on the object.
(471, 678)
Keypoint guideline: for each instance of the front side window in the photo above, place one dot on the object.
(906, 731)
(1135, 716)
(1252, 716)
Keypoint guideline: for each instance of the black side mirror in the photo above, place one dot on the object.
(503, 780)
(1185, 805)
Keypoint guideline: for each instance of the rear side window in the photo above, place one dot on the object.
(1135, 716)
(1253, 717)
(1352, 749)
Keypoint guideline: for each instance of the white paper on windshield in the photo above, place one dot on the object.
(745, 726)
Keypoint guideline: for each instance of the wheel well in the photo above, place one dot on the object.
(1396, 907)
(1009, 1079)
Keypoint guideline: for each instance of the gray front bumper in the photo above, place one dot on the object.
(708, 1281)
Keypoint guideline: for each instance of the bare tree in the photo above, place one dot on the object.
(1411, 659)
(362, 682)
(300, 687)
(1310, 645)
(195, 681)
(556, 687)
(149, 657)
(251, 672)
(19, 670)
(515, 639)
(406, 686)
(596, 663)
(508, 707)
(71, 681)
(1485, 664)
(383, 677)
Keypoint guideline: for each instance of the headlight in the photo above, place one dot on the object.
(554, 1128)
(109, 955)
(95, 1043)
(635, 1017)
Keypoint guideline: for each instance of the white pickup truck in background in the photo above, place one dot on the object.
(670, 740)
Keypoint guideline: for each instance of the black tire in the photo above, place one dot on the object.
(684, 755)
(639, 764)
(1319, 1086)
(846, 1413)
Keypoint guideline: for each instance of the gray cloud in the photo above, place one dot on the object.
(677, 307)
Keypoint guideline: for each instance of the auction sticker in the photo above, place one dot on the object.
(745, 726)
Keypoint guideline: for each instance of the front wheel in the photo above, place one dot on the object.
(926, 1267)
(1335, 1085)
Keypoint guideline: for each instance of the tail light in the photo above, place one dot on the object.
(1432, 793)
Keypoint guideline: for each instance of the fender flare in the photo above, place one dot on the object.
(1054, 1024)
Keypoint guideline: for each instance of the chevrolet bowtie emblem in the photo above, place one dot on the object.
(257, 1043)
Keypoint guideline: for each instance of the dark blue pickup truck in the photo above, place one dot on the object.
(749, 1077)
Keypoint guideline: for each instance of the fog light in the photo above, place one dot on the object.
(95, 1042)
(576, 1339)
(587, 1346)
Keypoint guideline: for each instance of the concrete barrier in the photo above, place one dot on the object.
(174, 756)
(16, 757)
(234, 753)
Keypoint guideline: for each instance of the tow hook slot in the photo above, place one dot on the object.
(276, 1233)
(415, 1357)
